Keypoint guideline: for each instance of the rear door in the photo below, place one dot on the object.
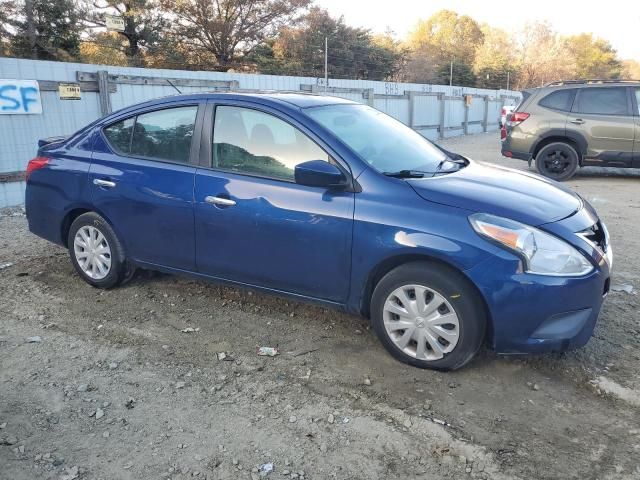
(142, 176)
(603, 116)
(254, 224)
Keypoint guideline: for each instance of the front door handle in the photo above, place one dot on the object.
(577, 121)
(224, 202)
(104, 183)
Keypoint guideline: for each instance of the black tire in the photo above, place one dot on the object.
(119, 271)
(558, 161)
(460, 294)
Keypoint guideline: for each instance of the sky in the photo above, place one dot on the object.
(617, 21)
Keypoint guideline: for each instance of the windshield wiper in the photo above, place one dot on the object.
(405, 174)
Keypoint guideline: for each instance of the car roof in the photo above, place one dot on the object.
(286, 100)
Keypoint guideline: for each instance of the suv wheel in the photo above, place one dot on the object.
(428, 315)
(558, 161)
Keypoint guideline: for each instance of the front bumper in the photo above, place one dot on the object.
(532, 313)
(536, 313)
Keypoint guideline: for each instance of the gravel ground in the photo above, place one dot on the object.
(131, 384)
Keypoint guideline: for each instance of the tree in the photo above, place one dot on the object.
(459, 73)
(104, 48)
(436, 42)
(495, 60)
(229, 30)
(43, 30)
(542, 57)
(8, 11)
(144, 24)
(352, 52)
(631, 69)
(593, 57)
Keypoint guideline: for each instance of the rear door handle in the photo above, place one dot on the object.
(577, 121)
(225, 202)
(104, 183)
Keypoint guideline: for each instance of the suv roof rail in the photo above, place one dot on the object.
(589, 81)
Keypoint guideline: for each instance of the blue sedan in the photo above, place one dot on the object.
(329, 201)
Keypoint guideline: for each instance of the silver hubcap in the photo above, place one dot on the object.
(421, 322)
(92, 252)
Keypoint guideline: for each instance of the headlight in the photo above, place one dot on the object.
(541, 253)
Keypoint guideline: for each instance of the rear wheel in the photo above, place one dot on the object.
(96, 253)
(558, 161)
(428, 315)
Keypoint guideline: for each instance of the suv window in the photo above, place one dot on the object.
(559, 100)
(165, 134)
(257, 143)
(637, 90)
(603, 101)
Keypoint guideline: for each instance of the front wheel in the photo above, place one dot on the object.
(95, 251)
(558, 161)
(428, 315)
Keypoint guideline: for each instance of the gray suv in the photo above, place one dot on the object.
(569, 124)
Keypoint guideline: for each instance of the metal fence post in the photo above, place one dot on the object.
(103, 92)
(412, 108)
(465, 125)
(485, 119)
(442, 100)
(370, 97)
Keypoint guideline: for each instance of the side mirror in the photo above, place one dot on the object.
(319, 173)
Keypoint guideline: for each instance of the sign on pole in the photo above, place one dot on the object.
(115, 23)
(19, 97)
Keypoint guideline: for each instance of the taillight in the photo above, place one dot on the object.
(36, 164)
(503, 132)
(516, 118)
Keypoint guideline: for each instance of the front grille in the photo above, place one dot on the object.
(596, 235)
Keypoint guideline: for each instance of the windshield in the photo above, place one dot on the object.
(383, 142)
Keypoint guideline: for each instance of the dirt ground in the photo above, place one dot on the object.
(117, 389)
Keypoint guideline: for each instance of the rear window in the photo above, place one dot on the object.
(559, 100)
(602, 101)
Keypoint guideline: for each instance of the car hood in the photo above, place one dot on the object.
(520, 196)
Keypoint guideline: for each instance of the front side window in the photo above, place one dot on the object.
(257, 143)
(602, 101)
(559, 100)
(383, 142)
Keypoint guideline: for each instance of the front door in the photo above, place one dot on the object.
(254, 224)
(142, 175)
(603, 116)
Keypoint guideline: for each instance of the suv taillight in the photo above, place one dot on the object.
(516, 118)
(36, 164)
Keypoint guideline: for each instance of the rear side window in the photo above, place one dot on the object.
(162, 134)
(165, 134)
(119, 135)
(559, 100)
(257, 143)
(602, 101)
(637, 90)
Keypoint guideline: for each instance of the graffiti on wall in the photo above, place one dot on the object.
(19, 97)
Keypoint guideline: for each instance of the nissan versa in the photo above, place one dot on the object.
(331, 201)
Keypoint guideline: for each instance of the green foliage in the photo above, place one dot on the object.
(462, 75)
(43, 29)
(288, 37)
(352, 52)
(594, 57)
